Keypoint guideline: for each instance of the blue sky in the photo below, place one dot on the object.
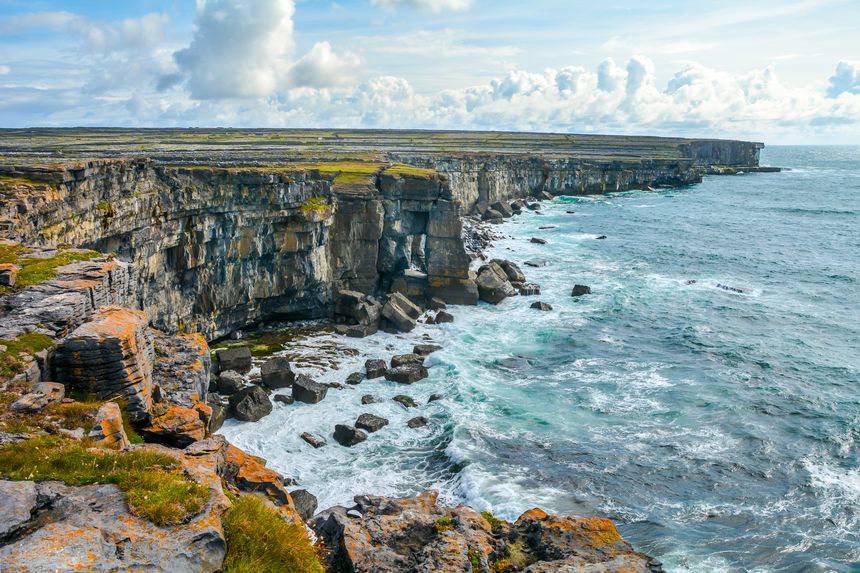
(783, 71)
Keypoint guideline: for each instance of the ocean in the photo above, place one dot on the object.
(718, 428)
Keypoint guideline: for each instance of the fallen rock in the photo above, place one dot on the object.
(401, 312)
(503, 207)
(541, 306)
(8, 274)
(108, 431)
(417, 422)
(436, 303)
(237, 358)
(493, 284)
(512, 270)
(580, 290)
(355, 378)
(370, 423)
(361, 330)
(375, 368)
(534, 206)
(407, 374)
(305, 503)
(283, 399)
(537, 241)
(250, 404)
(230, 382)
(444, 316)
(547, 227)
(42, 395)
(368, 399)
(405, 401)
(180, 427)
(535, 263)
(425, 349)
(406, 359)
(219, 412)
(313, 439)
(308, 391)
(528, 289)
(492, 215)
(277, 373)
(348, 436)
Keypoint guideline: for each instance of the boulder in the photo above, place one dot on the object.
(537, 241)
(370, 423)
(42, 395)
(533, 206)
(361, 330)
(180, 427)
(543, 196)
(444, 316)
(237, 358)
(503, 207)
(108, 431)
(277, 373)
(305, 503)
(361, 308)
(368, 399)
(308, 391)
(405, 401)
(18, 501)
(493, 284)
(375, 368)
(434, 398)
(601, 237)
(492, 215)
(230, 382)
(528, 289)
(250, 404)
(355, 378)
(436, 303)
(348, 436)
(313, 439)
(283, 399)
(425, 349)
(401, 312)
(417, 422)
(541, 306)
(535, 263)
(407, 374)
(219, 412)
(512, 270)
(580, 290)
(404, 359)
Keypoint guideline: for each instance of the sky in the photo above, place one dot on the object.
(779, 71)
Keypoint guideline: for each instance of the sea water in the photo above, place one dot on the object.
(718, 428)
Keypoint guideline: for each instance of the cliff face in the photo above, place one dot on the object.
(214, 246)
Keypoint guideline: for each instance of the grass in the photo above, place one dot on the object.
(494, 521)
(36, 270)
(258, 539)
(314, 205)
(154, 489)
(443, 524)
(30, 343)
(411, 171)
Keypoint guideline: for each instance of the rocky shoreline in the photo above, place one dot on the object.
(117, 273)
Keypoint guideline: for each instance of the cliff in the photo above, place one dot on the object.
(224, 228)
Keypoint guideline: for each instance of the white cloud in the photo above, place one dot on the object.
(845, 80)
(432, 5)
(239, 49)
(322, 67)
(4, 70)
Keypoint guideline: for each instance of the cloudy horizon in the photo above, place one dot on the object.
(781, 72)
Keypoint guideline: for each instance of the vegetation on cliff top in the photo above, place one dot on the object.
(154, 489)
(11, 361)
(258, 539)
(36, 269)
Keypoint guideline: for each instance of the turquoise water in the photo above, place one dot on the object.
(719, 429)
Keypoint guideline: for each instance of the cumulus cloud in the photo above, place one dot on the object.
(845, 80)
(322, 67)
(432, 5)
(239, 49)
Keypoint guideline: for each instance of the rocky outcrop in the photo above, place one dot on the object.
(416, 535)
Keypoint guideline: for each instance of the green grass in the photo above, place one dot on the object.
(314, 205)
(258, 540)
(30, 343)
(36, 270)
(443, 524)
(494, 521)
(154, 489)
(410, 170)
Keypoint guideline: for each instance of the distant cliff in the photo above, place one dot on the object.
(222, 235)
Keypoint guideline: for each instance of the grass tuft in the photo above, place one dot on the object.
(494, 521)
(30, 343)
(154, 489)
(258, 539)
